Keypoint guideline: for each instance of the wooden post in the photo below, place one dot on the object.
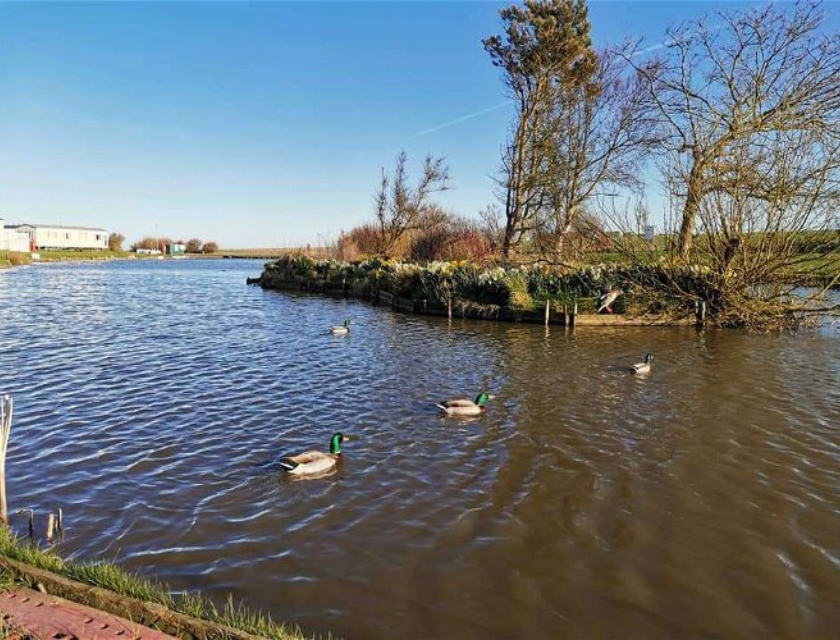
(700, 312)
(50, 527)
(60, 523)
(32, 523)
(574, 315)
(565, 315)
(6, 411)
(449, 307)
(547, 311)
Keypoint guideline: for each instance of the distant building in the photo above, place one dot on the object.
(650, 232)
(12, 239)
(176, 249)
(42, 236)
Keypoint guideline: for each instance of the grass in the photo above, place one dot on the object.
(13, 258)
(53, 255)
(113, 578)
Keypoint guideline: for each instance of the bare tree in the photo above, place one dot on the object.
(401, 208)
(725, 92)
(598, 138)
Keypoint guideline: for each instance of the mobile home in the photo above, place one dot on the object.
(42, 236)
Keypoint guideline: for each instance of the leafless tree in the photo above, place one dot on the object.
(401, 208)
(727, 91)
(597, 143)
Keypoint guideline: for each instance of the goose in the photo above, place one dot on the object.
(315, 462)
(465, 407)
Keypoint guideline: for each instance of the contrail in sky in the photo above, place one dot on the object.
(461, 119)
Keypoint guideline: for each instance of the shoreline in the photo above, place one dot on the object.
(552, 315)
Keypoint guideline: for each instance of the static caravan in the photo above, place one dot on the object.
(12, 239)
(61, 237)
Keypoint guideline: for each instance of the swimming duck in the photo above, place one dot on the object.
(606, 299)
(643, 367)
(315, 462)
(466, 407)
(341, 330)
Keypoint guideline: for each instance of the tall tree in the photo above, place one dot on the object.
(759, 77)
(545, 47)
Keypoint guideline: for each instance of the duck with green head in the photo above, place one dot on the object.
(341, 330)
(466, 407)
(315, 462)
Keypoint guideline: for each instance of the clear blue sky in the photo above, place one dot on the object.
(258, 124)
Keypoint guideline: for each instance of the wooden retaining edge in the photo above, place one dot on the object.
(148, 614)
(568, 317)
(32, 614)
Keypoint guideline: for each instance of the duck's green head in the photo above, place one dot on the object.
(347, 322)
(335, 443)
(649, 358)
(482, 398)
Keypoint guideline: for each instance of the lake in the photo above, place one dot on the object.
(154, 399)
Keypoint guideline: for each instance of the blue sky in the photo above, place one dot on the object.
(254, 124)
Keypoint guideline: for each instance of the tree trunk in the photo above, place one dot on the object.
(690, 210)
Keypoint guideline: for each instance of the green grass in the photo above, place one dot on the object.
(111, 577)
(50, 255)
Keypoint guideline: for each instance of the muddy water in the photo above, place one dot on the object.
(154, 399)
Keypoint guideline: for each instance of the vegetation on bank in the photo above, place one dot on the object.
(661, 287)
(114, 579)
(524, 288)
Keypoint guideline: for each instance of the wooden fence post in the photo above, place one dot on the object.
(547, 311)
(50, 527)
(6, 411)
(700, 312)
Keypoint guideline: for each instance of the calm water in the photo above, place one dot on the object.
(154, 399)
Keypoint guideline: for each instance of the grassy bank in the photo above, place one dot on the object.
(117, 581)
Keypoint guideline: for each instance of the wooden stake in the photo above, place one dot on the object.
(700, 308)
(574, 314)
(449, 307)
(547, 311)
(6, 411)
(60, 523)
(50, 527)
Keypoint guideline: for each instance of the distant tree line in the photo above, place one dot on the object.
(193, 245)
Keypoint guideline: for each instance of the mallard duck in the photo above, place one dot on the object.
(606, 299)
(643, 367)
(466, 407)
(341, 330)
(315, 462)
